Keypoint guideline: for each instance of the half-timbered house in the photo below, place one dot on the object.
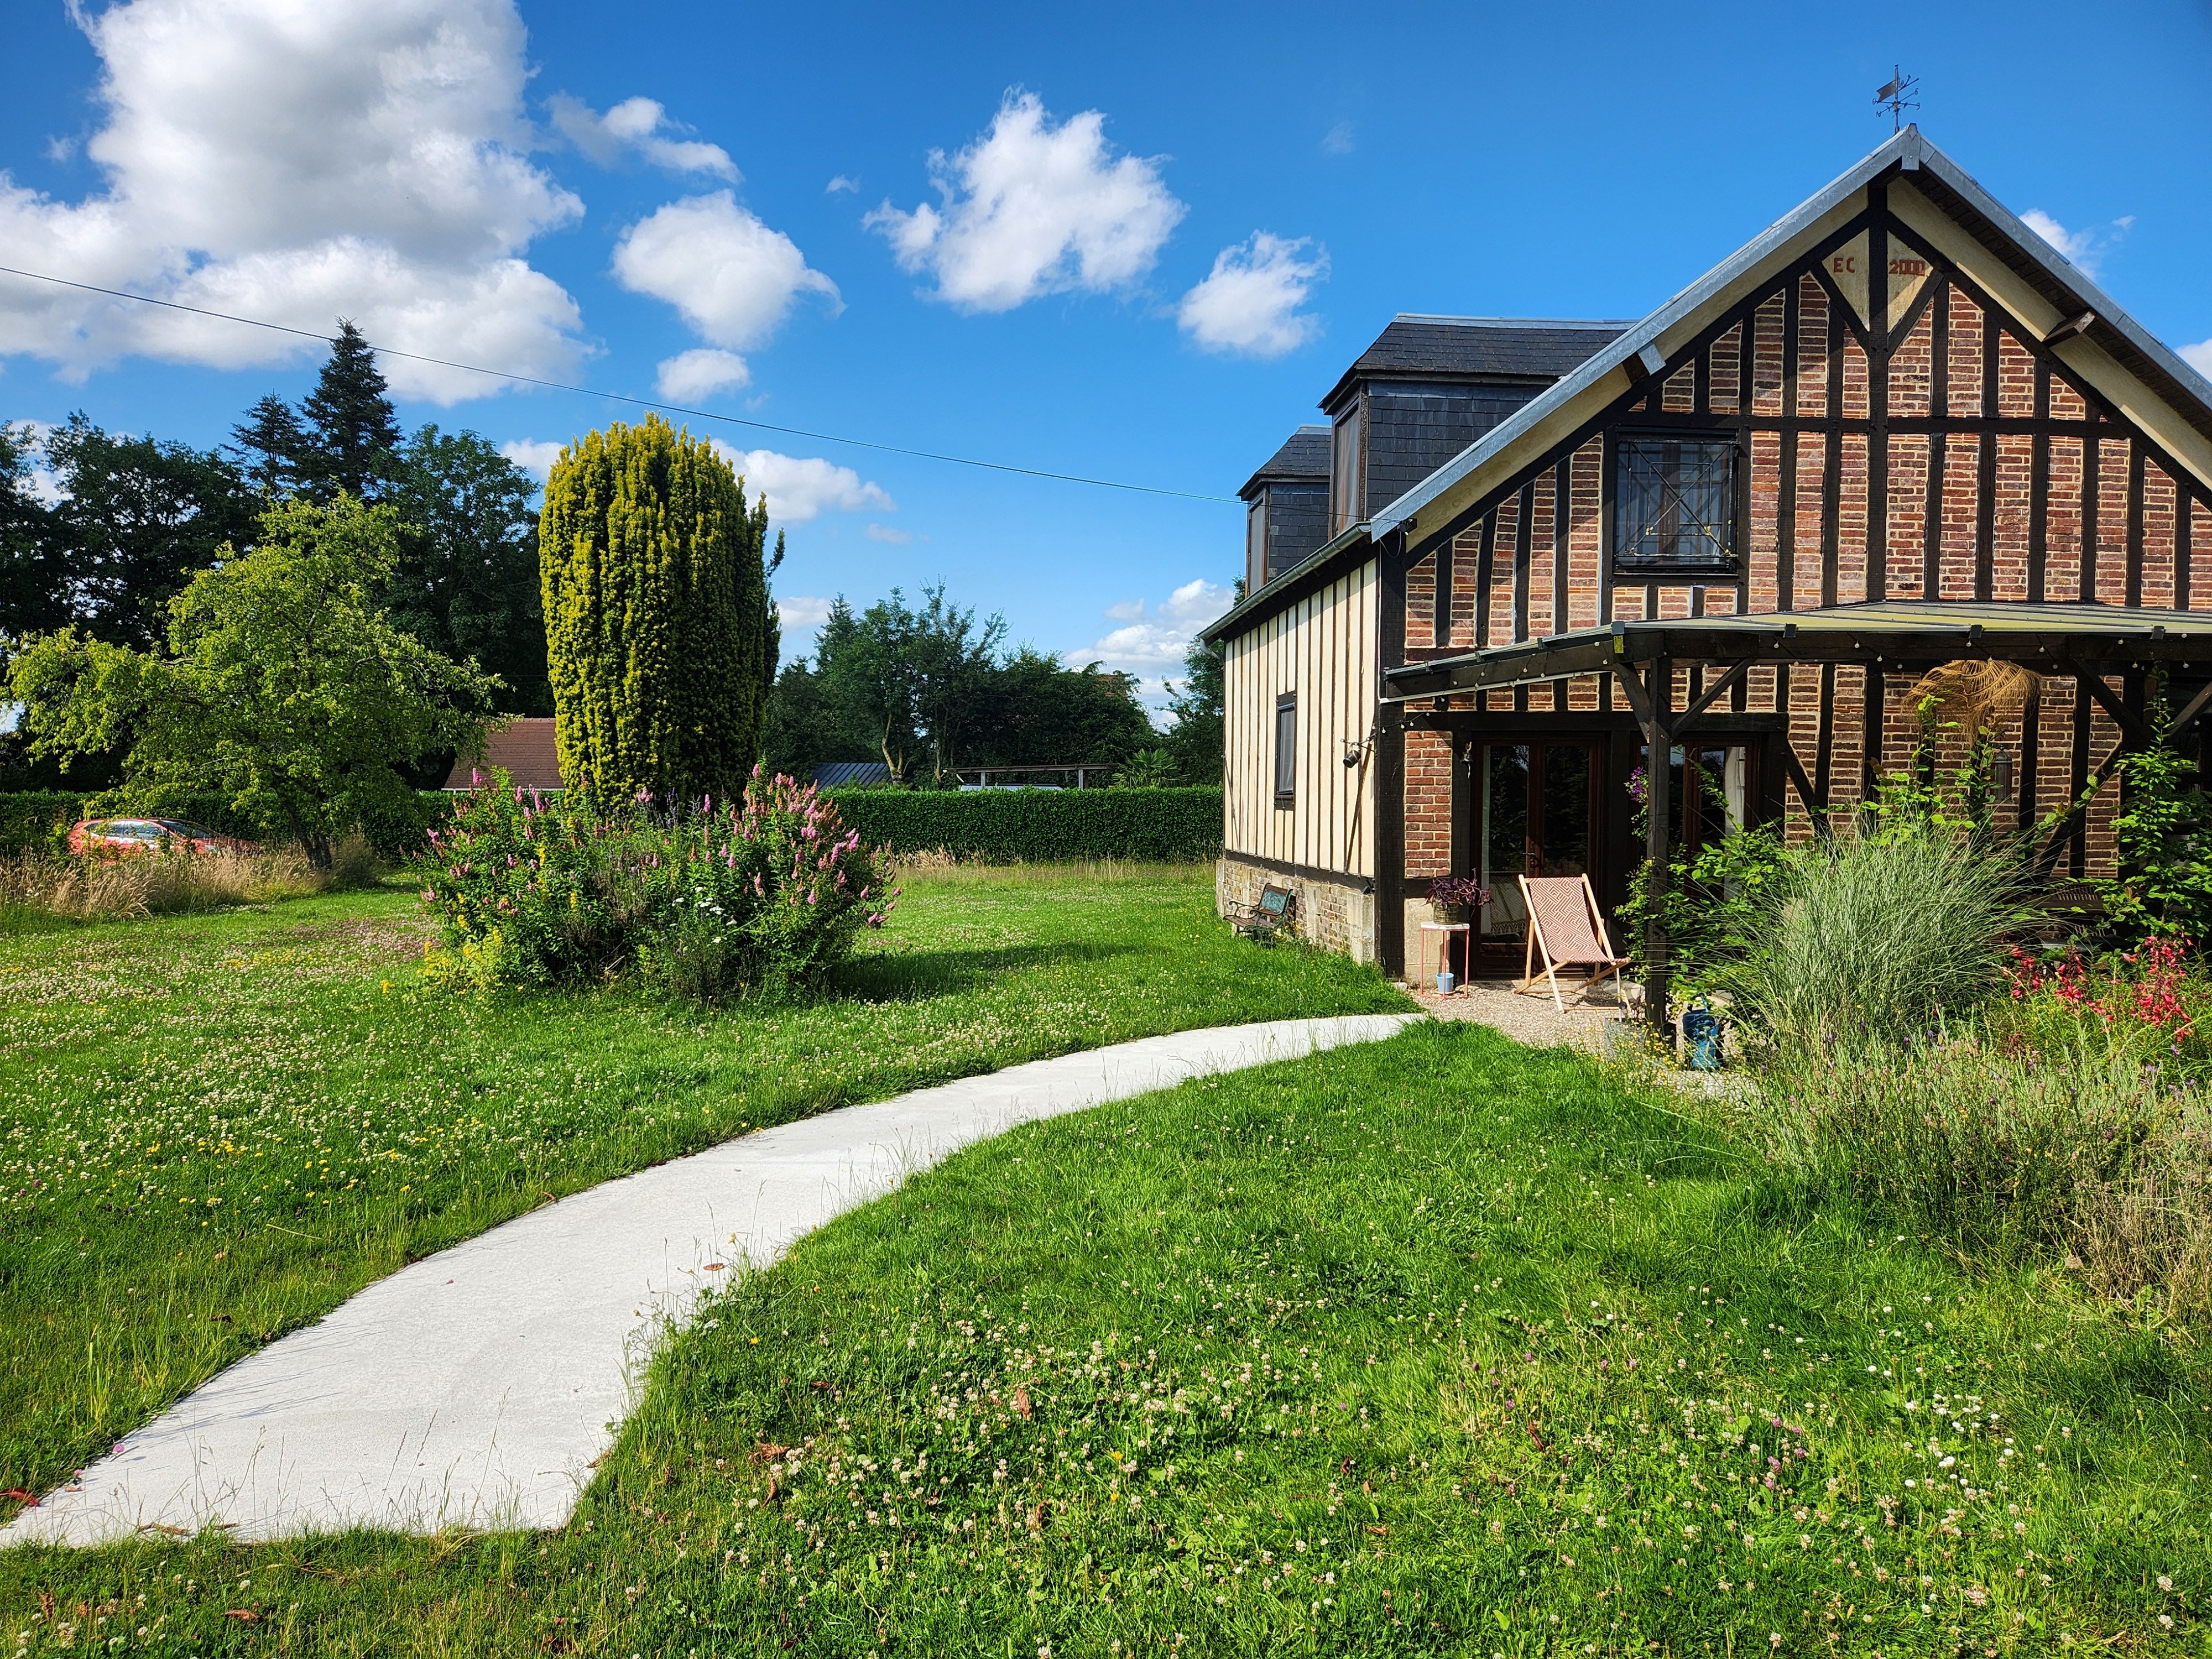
(1895, 430)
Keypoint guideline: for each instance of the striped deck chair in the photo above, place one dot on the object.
(1565, 924)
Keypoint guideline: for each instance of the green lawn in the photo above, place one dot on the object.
(213, 1129)
(1436, 1345)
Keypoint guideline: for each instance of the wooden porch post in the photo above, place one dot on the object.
(1658, 789)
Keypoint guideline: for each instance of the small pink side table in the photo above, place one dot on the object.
(1444, 930)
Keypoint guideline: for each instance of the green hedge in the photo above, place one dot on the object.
(1008, 826)
(993, 826)
(41, 818)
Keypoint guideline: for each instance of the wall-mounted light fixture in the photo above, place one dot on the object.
(2000, 774)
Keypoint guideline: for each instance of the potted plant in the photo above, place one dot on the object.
(1457, 899)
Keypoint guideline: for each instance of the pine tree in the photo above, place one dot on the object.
(656, 602)
(356, 435)
(274, 449)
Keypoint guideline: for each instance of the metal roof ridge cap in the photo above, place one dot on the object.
(1647, 329)
(1513, 322)
(2086, 287)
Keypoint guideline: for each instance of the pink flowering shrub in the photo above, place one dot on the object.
(706, 900)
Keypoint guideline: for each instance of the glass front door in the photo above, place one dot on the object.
(1536, 816)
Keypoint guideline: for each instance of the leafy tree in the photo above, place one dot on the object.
(35, 590)
(467, 583)
(868, 678)
(954, 665)
(1196, 740)
(807, 724)
(1046, 714)
(138, 516)
(356, 437)
(282, 684)
(656, 600)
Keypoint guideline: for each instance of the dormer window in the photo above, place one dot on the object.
(1256, 545)
(1674, 502)
(1346, 497)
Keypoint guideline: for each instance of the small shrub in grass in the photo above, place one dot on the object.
(765, 895)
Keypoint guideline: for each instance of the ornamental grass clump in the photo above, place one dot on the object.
(766, 895)
(1874, 938)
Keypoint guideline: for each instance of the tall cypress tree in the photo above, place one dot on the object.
(656, 602)
(356, 435)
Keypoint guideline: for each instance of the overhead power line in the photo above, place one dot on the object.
(640, 402)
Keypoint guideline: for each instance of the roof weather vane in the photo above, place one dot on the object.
(1897, 96)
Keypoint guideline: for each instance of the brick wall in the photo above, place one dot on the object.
(1985, 514)
(1327, 913)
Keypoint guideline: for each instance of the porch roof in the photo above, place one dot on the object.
(2053, 638)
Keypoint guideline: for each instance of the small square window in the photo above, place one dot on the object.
(1674, 502)
(1286, 748)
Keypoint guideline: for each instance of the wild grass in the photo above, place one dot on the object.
(1439, 1346)
(1872, 936)
(215, 1128)
(54, 885)
(2012, 1157)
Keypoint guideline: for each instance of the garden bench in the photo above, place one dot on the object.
(1270, 916)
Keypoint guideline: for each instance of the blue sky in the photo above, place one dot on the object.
(1154, 235)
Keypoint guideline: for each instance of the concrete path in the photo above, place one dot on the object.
(476, 1387)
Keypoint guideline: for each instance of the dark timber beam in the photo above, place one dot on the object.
(1705, 698)
(1648, 698)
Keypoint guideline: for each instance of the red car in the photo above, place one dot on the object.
(126, 837)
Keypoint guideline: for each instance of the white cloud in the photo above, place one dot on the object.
(1249, 303)
(2086, 248)
(300, 164)
(1030, 208)
(636, 126)
(2199, 357)
(883, 532)
(1338, 140)
(732, 278)
(534, 455)
(700, 373)
(1153, 640)
(802, 488)
(1197, 602)
(841, 182)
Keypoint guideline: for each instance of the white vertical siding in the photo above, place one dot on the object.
(1321, 648)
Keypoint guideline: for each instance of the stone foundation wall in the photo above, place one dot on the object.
(1328, 914)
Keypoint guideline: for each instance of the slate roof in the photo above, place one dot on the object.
(1421, 347)
(525, 747)
(830, 774)
(1304, 458)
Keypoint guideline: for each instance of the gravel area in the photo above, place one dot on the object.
(1528, 1016)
